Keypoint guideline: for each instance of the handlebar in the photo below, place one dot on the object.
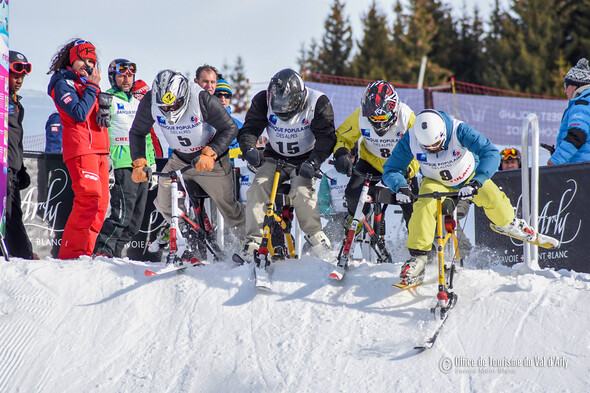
(280, 162)
(437, 195)
(365, 176)
(171, 174)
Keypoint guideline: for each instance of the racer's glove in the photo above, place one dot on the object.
(140, 170)
(404, 196)
(469, 190)
(206, 160)
(253, 156)
(343, 161)
(307, 170)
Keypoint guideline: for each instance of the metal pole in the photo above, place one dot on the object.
(530, 199)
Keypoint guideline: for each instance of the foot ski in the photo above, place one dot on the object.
(403, 285)
(168, 269)
(429, 342)
(337, 273)
(541, 240)
(262, 278)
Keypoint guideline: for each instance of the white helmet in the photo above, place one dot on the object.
(170, 93)
(430, 129)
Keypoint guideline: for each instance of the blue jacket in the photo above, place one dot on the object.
(487, 156)
(573, 144)
(53, 130)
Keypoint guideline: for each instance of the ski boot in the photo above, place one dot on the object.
(413, 270)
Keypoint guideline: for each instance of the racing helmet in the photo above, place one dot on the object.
(430, 129)
(286, 94)
(380, 105)
(170, 93)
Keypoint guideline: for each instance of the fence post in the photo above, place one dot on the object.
(530, 185)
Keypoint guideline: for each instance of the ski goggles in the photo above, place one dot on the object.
(122, 68)
(507, 154)
(19, 68)
(435, 147)
(380, 118)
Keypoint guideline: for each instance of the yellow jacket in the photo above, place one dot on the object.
(349, 133)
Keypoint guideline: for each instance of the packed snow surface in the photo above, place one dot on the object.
(102, 326)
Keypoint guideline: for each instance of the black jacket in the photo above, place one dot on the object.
(16, 113)
(322, 126)
(213, 113)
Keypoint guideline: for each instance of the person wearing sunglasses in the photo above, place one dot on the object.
(378, 123)
(17, 240)
(224, 93)
(199, 130)
(573, 142)
(74, 88)
(453, 156)
(128, 198)
(509, 159)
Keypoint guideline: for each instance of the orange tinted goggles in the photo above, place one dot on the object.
(509, 153)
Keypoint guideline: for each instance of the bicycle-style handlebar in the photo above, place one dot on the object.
(437, 195)
(168, 174)
(281, 162)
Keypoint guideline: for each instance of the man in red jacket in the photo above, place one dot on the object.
(74, 87)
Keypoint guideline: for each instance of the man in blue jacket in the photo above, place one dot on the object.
(573, 144)
(452, 156)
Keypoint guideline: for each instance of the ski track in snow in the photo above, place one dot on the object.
(101, 326)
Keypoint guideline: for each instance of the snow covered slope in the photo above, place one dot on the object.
(102, 326)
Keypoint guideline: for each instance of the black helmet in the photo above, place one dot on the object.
(286, 94)
(170, 92)
(120, 66)
(380, 105)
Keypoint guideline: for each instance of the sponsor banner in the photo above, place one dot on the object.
(346, 99)
(563, 214)
(500, 118)
(47, 203)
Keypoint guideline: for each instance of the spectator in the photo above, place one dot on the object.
(17, 240)
(206, 77)
(300, 126)
(74, 87)
(140, 88)
(509, 159)
(224, 93)
(53, 133)
(173, 106)
(573, 144)
(128, 198)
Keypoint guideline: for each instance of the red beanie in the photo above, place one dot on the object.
(84, 50)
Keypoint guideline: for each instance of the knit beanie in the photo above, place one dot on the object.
(16, 57)
(85, 50)
(222, 85)
(578, 75)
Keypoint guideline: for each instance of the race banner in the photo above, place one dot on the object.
(563, 214)
(47, 203)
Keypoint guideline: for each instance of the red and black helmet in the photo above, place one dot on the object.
(380, 105)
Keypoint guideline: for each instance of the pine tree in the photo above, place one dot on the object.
(336, 43)
(240, 85)
(575, 19)
(307, 60)
(371, 61)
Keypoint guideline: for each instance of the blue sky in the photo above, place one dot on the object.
(181, 34)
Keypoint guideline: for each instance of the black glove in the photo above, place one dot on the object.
(24, 180)
(551, 148)
(103, 117)
(307, 170)
(404, 196)
(469, 190)
(343, 161)
(253, 156)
